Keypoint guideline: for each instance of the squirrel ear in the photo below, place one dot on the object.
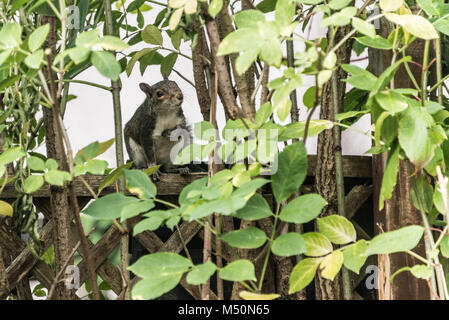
(145, 87)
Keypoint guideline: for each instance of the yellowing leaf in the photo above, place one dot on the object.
(177, 3)
(246, 295)
(302, 274)
(390, 5)
(190, 6)
(331, 265)
(175, 18)
(5, 209)
(416, 25)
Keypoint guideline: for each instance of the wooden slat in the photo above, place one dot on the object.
(172, 184)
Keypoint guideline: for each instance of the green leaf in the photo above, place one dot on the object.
(96, 166)
(391, 101)
(340, 18)
(316, 244)
(354, 256)
(303, 209)
(160, 271)
(223, 206)
(361, 78)
(10, 35)
(239, 41)
(87, 39)
(295, 130)
(442, 26)
(176, 38)
(3, 56)
(377, 42)
(33, 183)
(256, 208)
(431, 7)
(414, 137)
(308, 98)
(418, 26)
(113, 176)
(421, 271)
(337, 229)
(263, 113)
(168, 63)
(248, 18)
(364, 27)
(444, 246)
(350, 114)
(57, 177)
(215, 7)
(390, 176)
(421, 194)
(140, 54)
(390, 5)
(109, 207)
(106, 64)
(291, 171)
(303, 274)
(201, 273)
(249, 238)
(139, 183)
(195, 185)
(51, 164)
(37, 37)
(112, 43)
(338, 4)
(438, 200)
(323, 77)
(35, 60)
(288, 244)
(399, 240)
(285, 10)
(331, 265)
(154, 220)
(135, 208)
(245, 60)
(36, 164)
(152, 35)
(238, 270)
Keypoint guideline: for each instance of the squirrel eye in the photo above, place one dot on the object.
(180, 97)
(159, 94)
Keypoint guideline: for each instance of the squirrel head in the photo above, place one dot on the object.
(164, 94)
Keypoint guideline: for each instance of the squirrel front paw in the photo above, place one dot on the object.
(184, 171)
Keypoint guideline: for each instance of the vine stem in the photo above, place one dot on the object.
(430, 243)
(437, 44)
(424, 72)
(116, 87)
(267, 256)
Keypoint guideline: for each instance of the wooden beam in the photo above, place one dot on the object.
(172, 184)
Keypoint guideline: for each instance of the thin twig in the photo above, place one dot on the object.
(58, 276)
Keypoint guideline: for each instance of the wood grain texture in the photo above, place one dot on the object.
(172, 184)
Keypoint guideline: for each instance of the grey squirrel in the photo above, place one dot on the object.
(147, 133)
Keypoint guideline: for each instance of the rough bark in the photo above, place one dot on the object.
(59, 195)
(325, 174)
